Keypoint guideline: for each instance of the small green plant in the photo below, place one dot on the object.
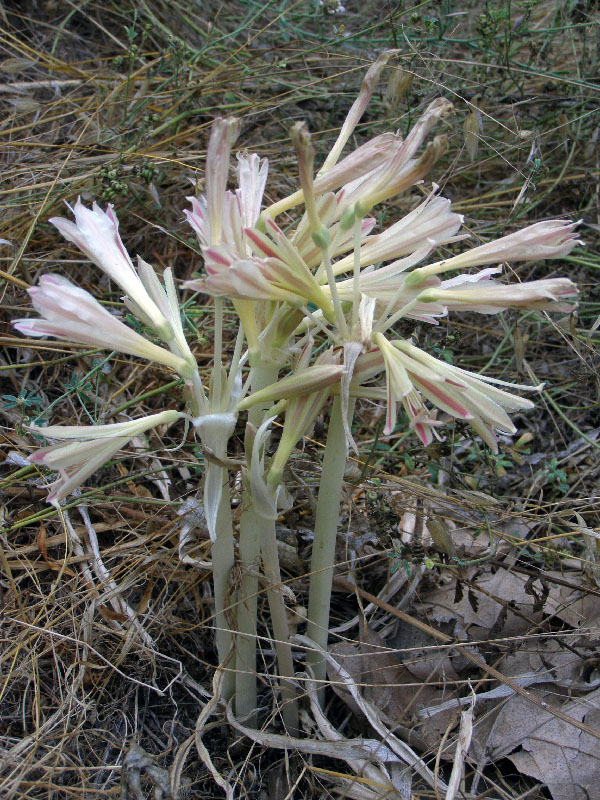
(555, 476)
(25, 401)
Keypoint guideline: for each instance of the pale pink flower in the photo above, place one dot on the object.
(96, 233)
(167, 301)
(413, 374)
(240, 209)
(490, 297)
(279, 273)
(259, 279)
(357, 109)
(223, 134)
(355, 166)
(379, 169)
(198, 219)
(238, 279)
(221, 220)
(550, 239)
(400, 388)
(402, 170)
(252, 174)
(429, 225)
(87, 448)
(72, 314)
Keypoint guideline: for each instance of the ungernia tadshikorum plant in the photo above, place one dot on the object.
(317, 289)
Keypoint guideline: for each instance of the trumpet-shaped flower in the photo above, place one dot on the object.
(490, 297)
(550, 239)
(377, 170)
(300, 383)
(167, 301)
(302, 410)
(413, 374)
(238, 210)
(96, 233)
(87, 447)
(357, 110)
(353, 167)
(72, 314)
(223, 134)
(429, 225)
(260, 279)
(402, 170)
(388, 286)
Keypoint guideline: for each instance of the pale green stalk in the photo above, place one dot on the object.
(356, 274)
(319, 324)
(279, 621)
(223, 561)
(340, 320)
(222, 550)
(218, 352)
(386, 322)
(326, 526)
(257, 535)
(246, 613)
(221, 553)
(251, 529)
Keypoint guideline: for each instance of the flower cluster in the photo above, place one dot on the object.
(325, 273)
(318, 290)
(351, 284)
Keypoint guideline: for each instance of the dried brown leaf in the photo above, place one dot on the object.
(394, 689)
(565, 759)
(550, 750)
(14, 65)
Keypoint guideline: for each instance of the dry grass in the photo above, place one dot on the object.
(111, 645)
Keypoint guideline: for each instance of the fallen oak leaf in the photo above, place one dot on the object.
(391, 687)
(464, 651)
(564, 759)
(398, 747)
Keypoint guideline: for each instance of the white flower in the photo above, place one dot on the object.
(413, 373)
(239, 209)
(87, 448)
(489, 297)
(167, 301)
(429, 225)
(362, 101)
(72, 314)
(223, 134)
(551, 239)
(402, 170)
(96, 233)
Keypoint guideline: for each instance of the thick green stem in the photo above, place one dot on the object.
(223, 560)
(326, 526)
(251, 526)
(281, 631)
(245, 645)
(222, 551)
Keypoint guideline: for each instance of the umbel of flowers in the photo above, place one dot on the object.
(317, 288)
